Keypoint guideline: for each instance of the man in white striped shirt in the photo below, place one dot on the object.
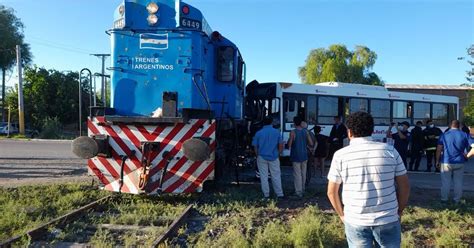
(369, 171)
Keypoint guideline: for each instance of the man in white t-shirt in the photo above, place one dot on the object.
(369, 171)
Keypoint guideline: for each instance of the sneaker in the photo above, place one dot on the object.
(281, 197)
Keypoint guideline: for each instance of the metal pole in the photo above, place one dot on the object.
(80, 104)
(9, 121)
(104, 98)
(95, 91)
(103, 87)
(21, 114)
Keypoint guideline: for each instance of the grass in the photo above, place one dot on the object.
(241, 219)
(27, 207)
(238, 217)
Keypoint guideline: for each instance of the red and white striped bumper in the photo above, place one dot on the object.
(181, 176)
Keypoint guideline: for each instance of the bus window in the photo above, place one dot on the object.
(327, 109)
(421, 112)
(453, 113)
(275, 106)
(290, 110)
(401, 111)
(295, 108)
(380, 111)
(440, 114)
(358, 104)
(312, 110)
(225, 64)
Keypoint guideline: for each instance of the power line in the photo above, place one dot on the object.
(57, 44)
(58, 47)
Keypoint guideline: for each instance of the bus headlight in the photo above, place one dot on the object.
(152, 8)
(152, 20)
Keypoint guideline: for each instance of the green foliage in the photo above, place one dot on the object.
(337, 64)
(51, 128)
(49, 94)
(274, 234)
(310, 229)
(469, 110)
(11, 30)
(26, 207)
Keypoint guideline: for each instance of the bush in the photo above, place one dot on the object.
(310, 230)
(51, 128)
(273, 234)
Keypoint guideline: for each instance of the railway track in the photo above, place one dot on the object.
(108, 221)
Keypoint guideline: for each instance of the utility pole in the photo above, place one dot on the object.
(103, 88)
(21, 108)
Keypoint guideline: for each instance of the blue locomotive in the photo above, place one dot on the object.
(177, 92)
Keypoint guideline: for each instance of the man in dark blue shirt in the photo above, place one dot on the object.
(401, 140)
(268, 145)
(453, 144)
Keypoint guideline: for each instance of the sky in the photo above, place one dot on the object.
(417, 41)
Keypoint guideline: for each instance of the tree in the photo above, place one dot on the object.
(337, 64)
(469, 108)
(11, 30)
(50, 94)
(470, 74)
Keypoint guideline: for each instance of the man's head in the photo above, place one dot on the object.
(317, 129)
(455, 124)
(404, 125)
(360, 124)
(297, 121)
(337, 119)
(268, 120)
(419, 123)
(429, 123)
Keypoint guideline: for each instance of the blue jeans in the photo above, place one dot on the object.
(388, 235)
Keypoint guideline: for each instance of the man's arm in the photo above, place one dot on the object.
(438, 153)
(309, 139)
(280, 147)
(333, 195)
(290, 140)
(403, 192)
(471, 153)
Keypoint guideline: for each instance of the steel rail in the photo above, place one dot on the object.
(33, 233)
(173, 227)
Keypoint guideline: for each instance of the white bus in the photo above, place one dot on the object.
(319, 104)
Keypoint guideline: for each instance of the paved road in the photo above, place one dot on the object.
(34, 162)
(35, 149)
(26, 162)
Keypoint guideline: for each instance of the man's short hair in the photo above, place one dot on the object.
(268, 120)
(317, 129)
(455, 124)
(361, 124)
(429, 121)
(297, 120)
(419, 122)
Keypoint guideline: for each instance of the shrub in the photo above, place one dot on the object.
(274, 234)
(51, 128)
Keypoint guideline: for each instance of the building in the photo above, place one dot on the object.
(462, 92)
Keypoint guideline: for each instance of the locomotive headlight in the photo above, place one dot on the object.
(152, 8)
(152, 20)
(122, 10)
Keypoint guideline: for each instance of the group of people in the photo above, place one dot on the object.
(306, 147)
(373, 174)
(418, 141)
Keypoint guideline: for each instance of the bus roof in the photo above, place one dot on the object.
(360, 90)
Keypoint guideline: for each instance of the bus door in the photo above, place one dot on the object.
(293, 105)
